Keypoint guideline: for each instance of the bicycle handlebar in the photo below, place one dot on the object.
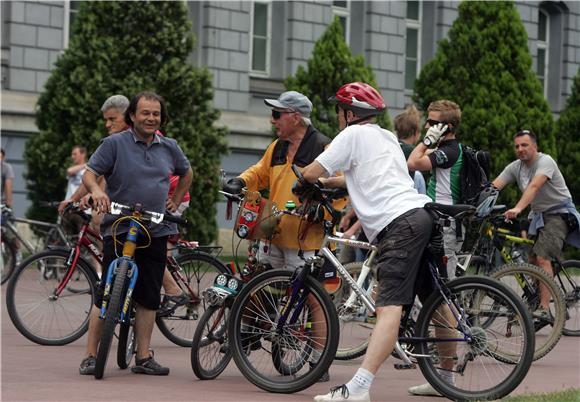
(155, 217)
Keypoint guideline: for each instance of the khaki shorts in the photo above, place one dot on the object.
(550, 239)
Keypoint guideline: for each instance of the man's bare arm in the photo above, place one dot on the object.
(180, 190)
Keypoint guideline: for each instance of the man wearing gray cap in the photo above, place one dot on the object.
(298, 143)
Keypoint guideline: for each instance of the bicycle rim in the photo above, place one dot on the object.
(524, 280)
(287, 359)
(569, 281)
(39, 315)
(210, 351)
(478, 374)
(354, 322)
(200, 271)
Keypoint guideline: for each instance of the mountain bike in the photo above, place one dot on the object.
(54, 310)
(283, 325)
(46, 234)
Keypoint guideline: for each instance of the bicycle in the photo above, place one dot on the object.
(273, 332)
(52, 311)
(496, 245)
(48, 234)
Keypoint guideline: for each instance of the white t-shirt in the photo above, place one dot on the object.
(376, 173)
(74, 182)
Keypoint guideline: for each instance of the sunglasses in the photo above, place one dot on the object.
(276, 114)
(432, 122)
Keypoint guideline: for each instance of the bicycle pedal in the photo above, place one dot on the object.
(404, 366)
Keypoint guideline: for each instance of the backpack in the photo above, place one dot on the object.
(474, 173)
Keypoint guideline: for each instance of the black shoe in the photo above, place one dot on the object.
(149, 366)
(88, 366)
(170, 303)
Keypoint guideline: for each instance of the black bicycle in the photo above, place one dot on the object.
(283, 325)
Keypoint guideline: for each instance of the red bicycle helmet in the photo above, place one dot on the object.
(360, 97)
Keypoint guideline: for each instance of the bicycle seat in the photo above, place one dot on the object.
(499, 209)
(455, 211)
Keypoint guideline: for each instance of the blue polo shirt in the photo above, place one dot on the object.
(137, 172)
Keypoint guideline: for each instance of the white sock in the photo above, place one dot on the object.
(361, 382)
(446, 375)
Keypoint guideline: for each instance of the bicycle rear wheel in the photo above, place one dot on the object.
(200, 270)
(210, 350)
(525, 280)
(8, 260)
(114, 306)
(290, 358)
(478, 374)
(37, 312)
(569, 280)
(355, 326)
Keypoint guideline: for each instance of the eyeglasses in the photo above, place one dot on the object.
(276, 114)
(432, 122)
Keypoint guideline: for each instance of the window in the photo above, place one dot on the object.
(543, 46)
(71, 9)
(342, 10)
(260, 45)
(413, 43)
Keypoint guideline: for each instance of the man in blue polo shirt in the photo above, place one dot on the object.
(136, 164)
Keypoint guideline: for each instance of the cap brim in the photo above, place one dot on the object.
(275, 103)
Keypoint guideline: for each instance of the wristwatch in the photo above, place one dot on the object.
(427, 141)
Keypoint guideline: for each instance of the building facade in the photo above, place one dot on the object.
(251, 46)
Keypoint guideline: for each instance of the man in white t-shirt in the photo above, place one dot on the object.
(75, 172)
(391, 213)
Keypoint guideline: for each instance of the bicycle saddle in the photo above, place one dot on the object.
(455, 211)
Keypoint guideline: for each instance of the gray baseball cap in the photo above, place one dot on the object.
(292, 100)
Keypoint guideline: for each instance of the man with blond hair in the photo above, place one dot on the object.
(408, 130)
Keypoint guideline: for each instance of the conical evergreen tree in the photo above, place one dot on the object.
(331, 66)
(485, 66)
(125, 48)
(568, 135)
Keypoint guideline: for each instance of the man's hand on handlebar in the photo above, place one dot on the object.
(234, 186)
(101, 202)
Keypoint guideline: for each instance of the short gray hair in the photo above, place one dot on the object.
(305, 121)
(119, 102)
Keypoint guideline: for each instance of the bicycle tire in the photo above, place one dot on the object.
(114, 306)
(548, 336)
(35, 312)
(248, 332)
(179, 326)
(474, 294)
(8, 260)
(569, 281)
(126, 347)
(354, 331)
(210, 351)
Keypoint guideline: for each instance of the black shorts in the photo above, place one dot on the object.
(401, 248)
(151, 262)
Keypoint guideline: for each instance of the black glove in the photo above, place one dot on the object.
(303, 190)
(234, 186)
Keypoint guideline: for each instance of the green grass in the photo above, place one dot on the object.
(568, 395)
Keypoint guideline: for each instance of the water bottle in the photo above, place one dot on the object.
(516, 256)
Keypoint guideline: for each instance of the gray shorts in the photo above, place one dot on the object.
(400, 253)
(550, 239)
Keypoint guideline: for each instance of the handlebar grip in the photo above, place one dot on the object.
(175, 219)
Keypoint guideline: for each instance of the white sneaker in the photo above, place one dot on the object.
(341, 393)
(424, 390)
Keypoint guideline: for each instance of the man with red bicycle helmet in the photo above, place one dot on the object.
(361, 99)
(392, 216)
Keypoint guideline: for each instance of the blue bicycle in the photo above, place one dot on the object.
(117, 306)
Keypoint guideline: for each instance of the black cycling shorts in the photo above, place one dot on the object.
(151, 264)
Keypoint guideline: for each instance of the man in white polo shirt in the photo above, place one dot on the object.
(391, 213)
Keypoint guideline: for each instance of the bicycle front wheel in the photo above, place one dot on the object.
(8, 260)
(114, 306)
(37, 312)
(200, 270)
(355, 324)
(527, 281)
(569, 280)
(472, 359)
(210, 350)
(283, 358)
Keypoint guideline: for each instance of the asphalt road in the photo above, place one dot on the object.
(31, 372)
